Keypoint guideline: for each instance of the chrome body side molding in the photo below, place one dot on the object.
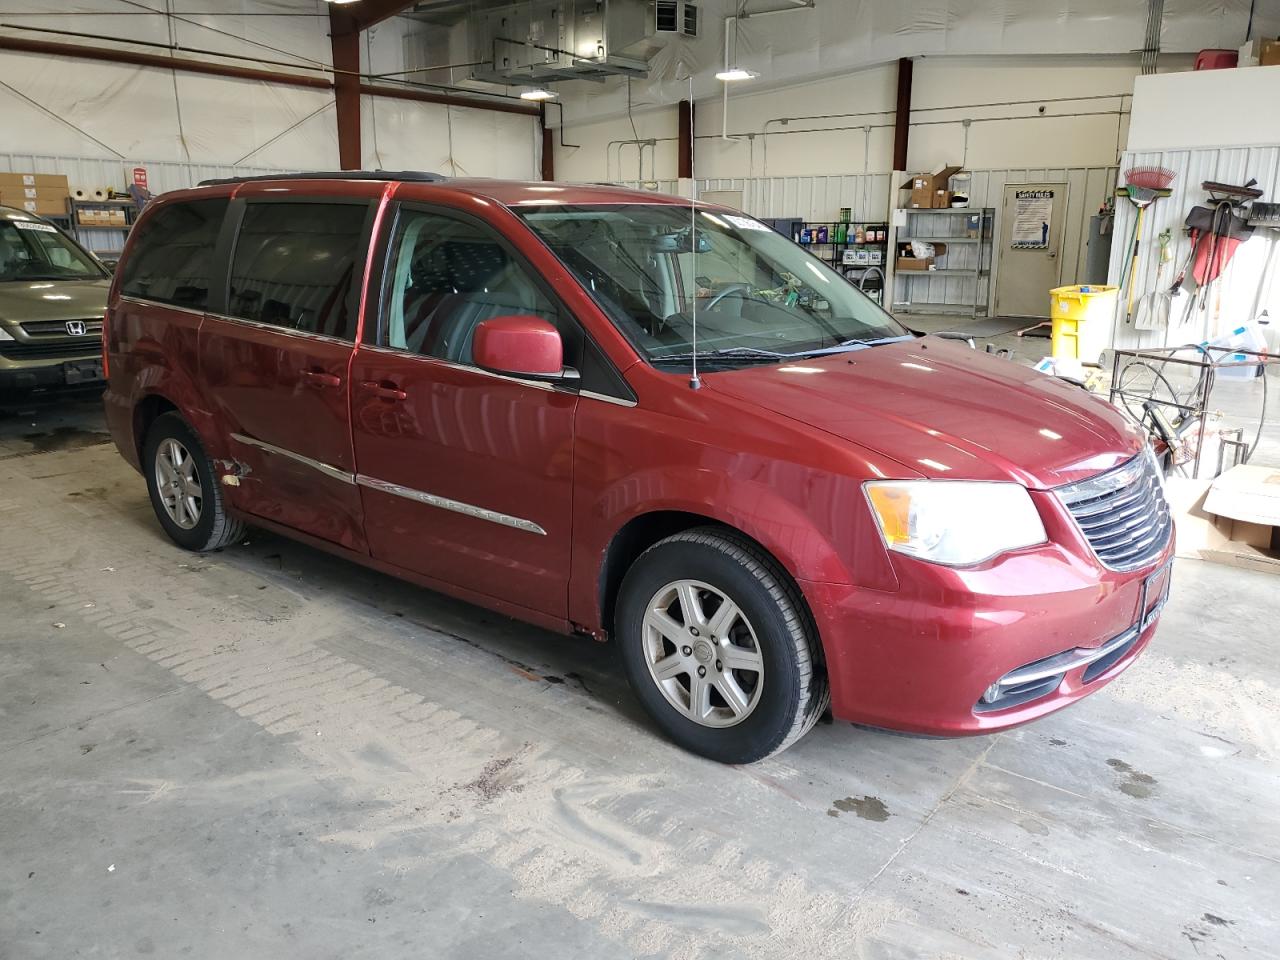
(456, 506)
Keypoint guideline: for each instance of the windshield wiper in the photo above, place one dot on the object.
(725, 353)
(854, 344)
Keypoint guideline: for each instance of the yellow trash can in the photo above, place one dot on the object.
(1082, 318)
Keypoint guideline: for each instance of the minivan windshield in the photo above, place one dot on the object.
(758, 297)
(34, 250)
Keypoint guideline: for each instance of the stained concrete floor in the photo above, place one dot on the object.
(269, 753)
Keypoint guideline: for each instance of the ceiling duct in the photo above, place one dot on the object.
(536, 42)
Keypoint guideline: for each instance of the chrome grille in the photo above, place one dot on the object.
(58, 328)
(1122, 513)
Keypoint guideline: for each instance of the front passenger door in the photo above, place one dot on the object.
(465, 476)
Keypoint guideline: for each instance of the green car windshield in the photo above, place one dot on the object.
(34, 250)
(757, 296)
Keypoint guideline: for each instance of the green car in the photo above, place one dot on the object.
(52, 296)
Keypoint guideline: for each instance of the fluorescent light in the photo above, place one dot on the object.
(735, 73)
(537, 94)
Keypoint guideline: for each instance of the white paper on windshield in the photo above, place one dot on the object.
(33, 225)
(745, 223)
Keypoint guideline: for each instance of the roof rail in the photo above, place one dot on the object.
(414, 176)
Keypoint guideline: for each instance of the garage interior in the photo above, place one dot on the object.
(267, 751)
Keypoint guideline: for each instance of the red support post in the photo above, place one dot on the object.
(344, 37)
(684, 145)
(902, 122)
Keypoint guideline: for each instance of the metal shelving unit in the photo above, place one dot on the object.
(961, 284)
(104, 239)
(869, 276)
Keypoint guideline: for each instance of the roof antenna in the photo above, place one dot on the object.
(694, 382)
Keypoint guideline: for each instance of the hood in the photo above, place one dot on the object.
(22, 301)
(946, 411)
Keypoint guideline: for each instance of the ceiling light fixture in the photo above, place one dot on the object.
(538, 93)
(734, 74)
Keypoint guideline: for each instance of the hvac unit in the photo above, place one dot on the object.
(675, 16)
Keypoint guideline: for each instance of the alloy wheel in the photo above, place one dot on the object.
(703, 654)
(178, 483)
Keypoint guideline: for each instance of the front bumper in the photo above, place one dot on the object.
(1048, 623)
(70, 371)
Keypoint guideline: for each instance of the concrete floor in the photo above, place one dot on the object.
(269, 753)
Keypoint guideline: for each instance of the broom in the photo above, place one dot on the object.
(1142, 185)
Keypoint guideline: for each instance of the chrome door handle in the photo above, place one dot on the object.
(319, 378)
(384, 389)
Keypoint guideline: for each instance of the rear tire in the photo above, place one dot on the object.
(719, 647)
(184, 489)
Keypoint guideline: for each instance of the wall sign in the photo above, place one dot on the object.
(1032, 219)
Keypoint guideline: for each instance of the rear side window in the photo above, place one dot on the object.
(296, 266)
(171, 260)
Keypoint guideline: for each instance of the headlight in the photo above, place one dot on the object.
(955, 522)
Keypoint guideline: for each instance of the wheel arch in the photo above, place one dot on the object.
(644, 530)
(146, 411)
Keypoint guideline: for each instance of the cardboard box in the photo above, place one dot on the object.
(1246, 493)
(1245, 502)
(41, 181)
(43, 206)
(927, 189)
(912, 263)
(1269, 53)
(942, 198)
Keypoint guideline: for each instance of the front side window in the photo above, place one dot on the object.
(446, 276)
(297, 266)
(757, 296)
(171, 256)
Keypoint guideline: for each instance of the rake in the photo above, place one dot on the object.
(1142, 185)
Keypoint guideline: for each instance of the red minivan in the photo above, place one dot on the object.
(619, 414)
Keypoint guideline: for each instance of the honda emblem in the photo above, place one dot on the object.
(75, 328)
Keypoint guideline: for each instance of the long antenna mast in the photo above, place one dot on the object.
(694, 382)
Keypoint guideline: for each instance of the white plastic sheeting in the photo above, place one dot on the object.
(88, 108)
(842, 36)
(1251, 282)
(66, 107)
(455, 141)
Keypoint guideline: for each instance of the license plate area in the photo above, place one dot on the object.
(82, 371)
(1154, 595)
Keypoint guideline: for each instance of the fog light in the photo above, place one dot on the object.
(992, 693)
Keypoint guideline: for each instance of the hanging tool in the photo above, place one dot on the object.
(1142, 185)
(1154, 308)
(1216, 231)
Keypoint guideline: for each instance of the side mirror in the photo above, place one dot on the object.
(520, 345)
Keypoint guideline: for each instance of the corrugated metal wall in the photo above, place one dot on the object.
(92, 173)
(1251, 282)
(870, 196)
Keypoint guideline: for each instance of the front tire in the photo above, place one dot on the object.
(184, 488)
(718, 646)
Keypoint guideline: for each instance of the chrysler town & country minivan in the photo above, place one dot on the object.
(493, 389)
